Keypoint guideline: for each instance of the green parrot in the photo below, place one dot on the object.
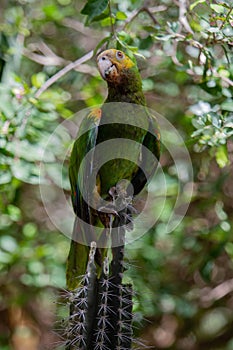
(110, 147)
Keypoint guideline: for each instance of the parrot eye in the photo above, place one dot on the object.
(119, 55)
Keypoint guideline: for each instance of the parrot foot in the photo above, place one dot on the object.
(119, 194)
(108, 209)
(120, 205)
(107, 214)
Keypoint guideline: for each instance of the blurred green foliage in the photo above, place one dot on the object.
(184, 280)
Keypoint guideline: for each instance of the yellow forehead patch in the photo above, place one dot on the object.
(117, 57)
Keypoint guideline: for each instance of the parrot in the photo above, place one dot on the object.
(110, 147)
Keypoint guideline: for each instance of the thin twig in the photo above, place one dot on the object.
(219, 292)
(225, 79)
(79, 27)
(201, 48)
(43, 48)
(87, 69)
(54, 60)
(182, 38)
(64, 71)
(44, 60)
(191, 41)
(111, 19)
(182, 4)
(149, 11)
(182, 16)
(227, 18)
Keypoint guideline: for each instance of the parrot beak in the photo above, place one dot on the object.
(106, 68)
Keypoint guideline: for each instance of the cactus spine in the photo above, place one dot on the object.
(101, 308)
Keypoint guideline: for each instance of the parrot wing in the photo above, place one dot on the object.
(80, 170)
(148, 166)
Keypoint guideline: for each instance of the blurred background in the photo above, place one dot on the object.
(184, 279)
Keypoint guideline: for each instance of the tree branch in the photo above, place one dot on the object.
(198, 45)
(111, 19)
(219, 292)
(149, 11)
(79, 27)
(64, 71)
(51, 60)
(182, 16)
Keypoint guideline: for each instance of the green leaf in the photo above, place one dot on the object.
(107, 22)
(6, 107)
(122, 35)
(35, 267)
(213, 30)
(94, 8)
(102, 16)
(8, 244)
(227, 105)
(53, 12)
(38, 79)
(5, 177)
(45, 106)
(5, 221)
(146, 43)
(14, 212)
(26, 172)
(5, 258)
(229, 249)
(100, 44)
(162, 37)
(29, 230)
(207, 269)
(196, 3)
(30, 152)
(217, 8)
(228, 31)
(121, 16)
(221, 156)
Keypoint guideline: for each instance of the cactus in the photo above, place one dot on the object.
(82, 309)
(101, 308)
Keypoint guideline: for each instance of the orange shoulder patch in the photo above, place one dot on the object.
(96, 113)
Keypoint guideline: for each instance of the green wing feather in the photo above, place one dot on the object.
(78, 254)
(147, 168)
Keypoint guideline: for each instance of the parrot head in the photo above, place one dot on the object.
(113, 65)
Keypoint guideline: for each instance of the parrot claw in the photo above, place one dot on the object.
(108, 209)
(120, 206)
(107, 214)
